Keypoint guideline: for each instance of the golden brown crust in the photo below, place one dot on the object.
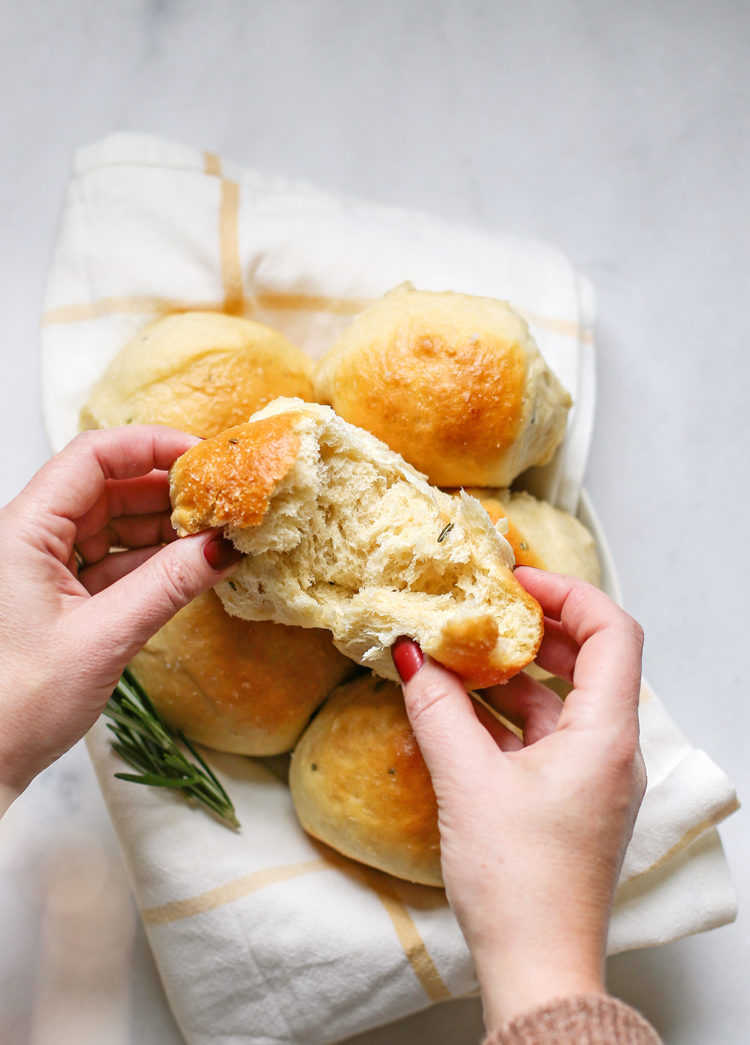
(398, 393)
(452, 382)
(229, 479)
(235, 685)
(360, 784)
(201, 372)
(468, 647)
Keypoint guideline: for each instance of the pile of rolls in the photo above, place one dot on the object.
(457, 390)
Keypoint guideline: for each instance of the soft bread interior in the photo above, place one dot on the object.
(356, 541)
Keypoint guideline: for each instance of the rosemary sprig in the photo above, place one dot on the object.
(148, 744)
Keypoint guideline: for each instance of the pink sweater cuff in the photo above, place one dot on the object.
(594, 1019)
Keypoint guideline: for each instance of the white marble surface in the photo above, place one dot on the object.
(619, 132)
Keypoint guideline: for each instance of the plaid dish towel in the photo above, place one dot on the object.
(267, 936)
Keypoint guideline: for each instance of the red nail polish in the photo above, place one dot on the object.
(407, 656)
(220, 554)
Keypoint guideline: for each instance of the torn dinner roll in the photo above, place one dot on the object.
(340, 533)
(453, 382)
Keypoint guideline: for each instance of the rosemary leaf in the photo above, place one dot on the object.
(152, 780)
(207, 768)
(128, 723)
(145, 742)
(445, 531)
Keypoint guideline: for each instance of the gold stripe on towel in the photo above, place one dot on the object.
(229, 248)
(694, 832)
(211, 164)
(230, 891)
(418, 956)
(566, 327)
(282, 301)
(129, 304)
(406, 930)
(286, 301)
(143, 305)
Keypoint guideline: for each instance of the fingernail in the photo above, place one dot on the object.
(220, 554)
(407, 657)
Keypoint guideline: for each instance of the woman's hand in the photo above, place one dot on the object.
(533, 832)
(74, 611)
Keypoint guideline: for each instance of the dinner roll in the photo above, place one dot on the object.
(454, 383)
(200, 372)
(236, 685)
(542, 535)
(340, 533)
(359, 782)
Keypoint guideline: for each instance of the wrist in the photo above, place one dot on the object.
(517, 986)
(537, 961)
(548, 943)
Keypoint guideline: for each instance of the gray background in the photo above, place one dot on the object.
(617, 131)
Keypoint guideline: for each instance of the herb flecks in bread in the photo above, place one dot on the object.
(342, 534)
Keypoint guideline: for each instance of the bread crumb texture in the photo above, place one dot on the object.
(340, 533)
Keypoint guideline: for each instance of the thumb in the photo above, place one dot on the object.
(441, 713)
(132, 609)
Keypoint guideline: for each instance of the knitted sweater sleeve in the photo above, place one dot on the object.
(581, 1020)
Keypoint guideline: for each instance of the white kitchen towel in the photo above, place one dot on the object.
(267, 936)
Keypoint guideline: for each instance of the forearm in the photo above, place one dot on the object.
(537, 931)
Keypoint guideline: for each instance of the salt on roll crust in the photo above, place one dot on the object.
(340, 533)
